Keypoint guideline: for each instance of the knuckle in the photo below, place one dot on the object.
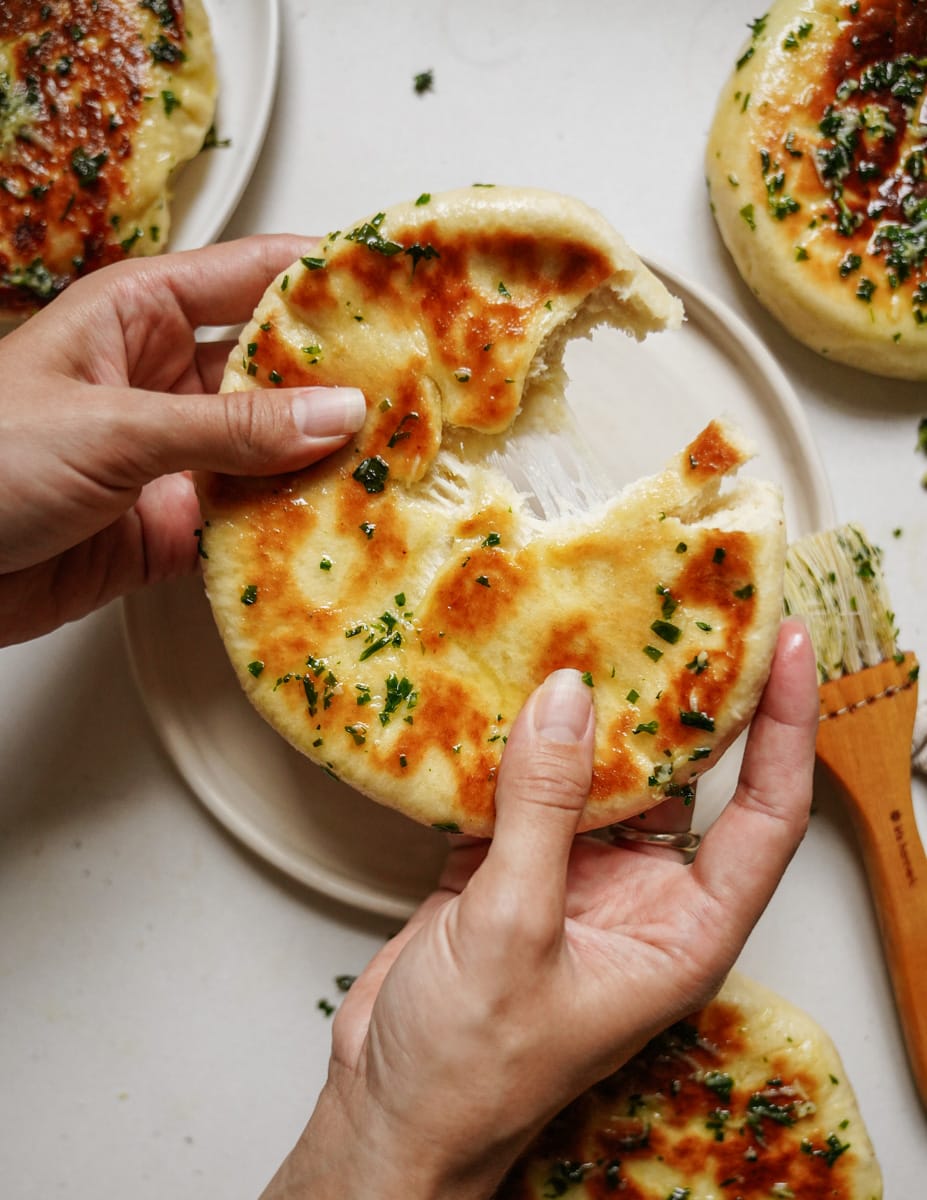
(253, 424)
(554, 777)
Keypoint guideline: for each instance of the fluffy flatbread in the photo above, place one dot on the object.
(100, 102)
(816, 169)
(747, 1099)
(390, 609)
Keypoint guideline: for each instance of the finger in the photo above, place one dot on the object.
(214, 285)
(543, 784)
(147, 434)
(749, 846)
(222, 284)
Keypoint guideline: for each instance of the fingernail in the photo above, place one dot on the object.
(563, 707)
(327, 412)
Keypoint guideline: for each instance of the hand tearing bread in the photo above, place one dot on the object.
(389, 610)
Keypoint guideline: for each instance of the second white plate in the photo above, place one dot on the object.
(207, 190)
(638, 404)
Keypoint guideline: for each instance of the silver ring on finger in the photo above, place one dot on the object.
(686, 842)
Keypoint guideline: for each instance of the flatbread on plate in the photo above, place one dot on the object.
(747, 1100)
(390, 609)
(100, 102)
(816, 169)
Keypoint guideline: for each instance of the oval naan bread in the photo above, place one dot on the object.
(747, 1099)
(390, 609)
(816, 169)
(100, 101)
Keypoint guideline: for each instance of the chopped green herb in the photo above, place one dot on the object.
(367, 529)
(419, 253)
(720, 1083)
(653, 652)
(587, 679)
(748, 214)
(483, 581)
(491, 539)
(633, 696)
(423, 82)
(256, 667)
(250, 594)
(745, 592)
(699, 663)
(372, 473)
(325, 563)
(165, 51)
(646, 727)
(424, 198)
(313, 264)
(397, 691)
(87, 166)
(670, 603)
(667, 631)
(447, 826)
(369, 235)
(162, 9)
(170, 102)
(830, 1152)
(400, 433)
(358, 733)
(699, 720)
(36, 279)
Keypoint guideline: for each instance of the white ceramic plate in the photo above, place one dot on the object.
(638, 404)
(246, 34)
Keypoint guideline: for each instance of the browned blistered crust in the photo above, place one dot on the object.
(746, 1098)
(78, 78)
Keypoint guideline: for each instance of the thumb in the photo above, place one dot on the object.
(543, 785)
(259, 432)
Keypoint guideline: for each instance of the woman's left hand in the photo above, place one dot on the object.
(106, 399)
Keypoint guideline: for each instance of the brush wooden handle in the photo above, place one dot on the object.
(864, 738)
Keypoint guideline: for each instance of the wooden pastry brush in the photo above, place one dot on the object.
(868, 692)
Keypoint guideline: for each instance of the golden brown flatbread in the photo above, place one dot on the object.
(816, 169)
(390, 609)
(747, 1099)
(100, 101)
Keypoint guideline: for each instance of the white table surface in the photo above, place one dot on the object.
(159, 1029)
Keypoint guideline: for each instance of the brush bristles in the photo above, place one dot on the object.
(834, 580)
